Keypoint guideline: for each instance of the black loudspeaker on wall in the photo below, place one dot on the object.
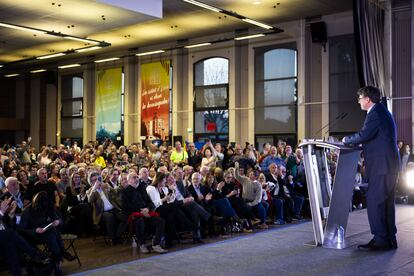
(318, 33)
(51, 77)
(177, 138)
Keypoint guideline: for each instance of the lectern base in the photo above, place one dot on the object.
(348, 242)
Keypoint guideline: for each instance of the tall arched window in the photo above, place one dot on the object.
(275, 95)
(211, 86)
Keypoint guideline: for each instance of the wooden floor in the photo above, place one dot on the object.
(95, 254)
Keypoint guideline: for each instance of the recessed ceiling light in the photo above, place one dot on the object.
(150, 53)
(248, 36)
(107, 59)
(69, 66)
(38, 71)
(257, 3)
(11, 75)
(51, 56)
(197, 45)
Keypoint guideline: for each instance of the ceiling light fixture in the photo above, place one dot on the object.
(107, 59)
(203, 5)
(11, 75)
(248, 36)
(38, 71)
(1, 65)
(69, 66)
(257, 23)
(51, 56)
(22, 28)
(88, 49)
(197, 45)
(232, 14)
(150, 53)
(86, 40)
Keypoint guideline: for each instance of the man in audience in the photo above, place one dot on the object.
(44, 185)
(272, 158)
(194, 156)
(139, 207)
(13, 193)
(144, 179)
(113, 177)
(102, 197)
(195, 211)
(63, 182)
(298, 199)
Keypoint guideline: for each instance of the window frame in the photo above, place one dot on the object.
(207, 135)
(260, 52)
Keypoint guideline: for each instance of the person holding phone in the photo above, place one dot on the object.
(103, 199)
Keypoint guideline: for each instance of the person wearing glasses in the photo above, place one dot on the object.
(103, 199)
(382, 164)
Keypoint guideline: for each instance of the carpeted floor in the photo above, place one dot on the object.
(281, 251)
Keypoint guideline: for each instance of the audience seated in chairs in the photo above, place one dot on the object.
(40, 224)
(12, 245)
(141, 211)
(102, 197)
(281, 199)
(164, 202)
(186, 202)
(252, 194)
(78, 213)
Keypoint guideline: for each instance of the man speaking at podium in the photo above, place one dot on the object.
(379, 144)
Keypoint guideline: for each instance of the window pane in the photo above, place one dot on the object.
(211, 121)
(77, 87)
(211, 97)
(279, 63)
(279, 119)
(72, 108)
(212, 71)
(71, 127)
(276, 92)
(72, 87)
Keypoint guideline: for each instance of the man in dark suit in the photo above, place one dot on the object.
(382, 162)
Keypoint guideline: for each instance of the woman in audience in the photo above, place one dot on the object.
(209, 156)
(163, 200)
(78, 209)
(40, 223)
(44, 159)
(23, 179)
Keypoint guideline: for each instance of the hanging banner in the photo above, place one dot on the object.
(155, 99)
(108, 104)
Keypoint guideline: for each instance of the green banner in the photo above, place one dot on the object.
(108, 103)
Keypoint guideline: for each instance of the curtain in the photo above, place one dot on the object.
(369, 37)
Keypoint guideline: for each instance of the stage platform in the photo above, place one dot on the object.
(282, 251)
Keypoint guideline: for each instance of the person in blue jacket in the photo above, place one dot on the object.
(382, 163)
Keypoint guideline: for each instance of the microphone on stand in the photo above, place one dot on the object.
(343, 114)
(334, 122)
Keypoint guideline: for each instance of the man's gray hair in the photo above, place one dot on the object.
(10, 179)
